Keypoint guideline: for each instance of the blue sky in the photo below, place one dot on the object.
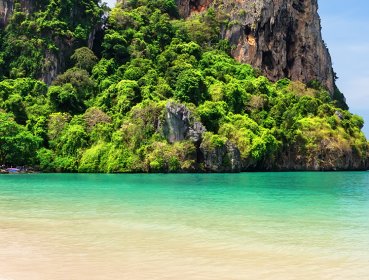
(345, 27)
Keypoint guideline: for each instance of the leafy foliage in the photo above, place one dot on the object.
(106, 112)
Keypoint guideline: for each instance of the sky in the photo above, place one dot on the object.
(111, 3)
(345, 28)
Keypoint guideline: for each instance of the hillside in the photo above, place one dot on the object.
(158, 86)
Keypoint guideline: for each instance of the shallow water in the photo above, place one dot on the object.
(218, 226)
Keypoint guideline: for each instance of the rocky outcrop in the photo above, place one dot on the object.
(281, 37)
(222, 158)
(327, 159)
(54, 61)
(7, 8)
(217, 154)
(179, 124)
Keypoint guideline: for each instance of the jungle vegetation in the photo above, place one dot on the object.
(103, 112)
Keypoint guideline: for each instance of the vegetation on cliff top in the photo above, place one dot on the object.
(107, 111)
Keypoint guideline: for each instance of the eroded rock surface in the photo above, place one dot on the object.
(7, 8)
(55, 62)
(186, 7)
(327, 158)
(224, 158)
(179, 124)
(281, 37)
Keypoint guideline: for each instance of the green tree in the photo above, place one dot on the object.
(17, 145)
(190, 87)
(71, 90)
(84, 58)
(212, 113)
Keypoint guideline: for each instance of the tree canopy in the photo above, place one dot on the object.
(107, 110)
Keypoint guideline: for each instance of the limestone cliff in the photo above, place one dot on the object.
(55, 60)
(7, 8)
(280, 37)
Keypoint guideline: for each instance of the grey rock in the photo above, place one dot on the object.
(7, 9)
(195, 132)
(226, 158)
(325, 159)
(179, 124)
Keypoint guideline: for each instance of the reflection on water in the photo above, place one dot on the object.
(233, 226)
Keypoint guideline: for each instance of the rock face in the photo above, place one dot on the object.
(328, 159)
(225, 158)
(55, 62)
(281, 37)
(180, 125)
(186, 7)
(7, 8)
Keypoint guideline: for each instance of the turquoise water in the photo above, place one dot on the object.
(185, 226)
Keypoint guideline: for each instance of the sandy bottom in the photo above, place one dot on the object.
(105, 250)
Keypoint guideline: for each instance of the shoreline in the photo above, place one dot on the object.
(4, 172)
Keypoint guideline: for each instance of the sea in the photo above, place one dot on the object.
(288, 225)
